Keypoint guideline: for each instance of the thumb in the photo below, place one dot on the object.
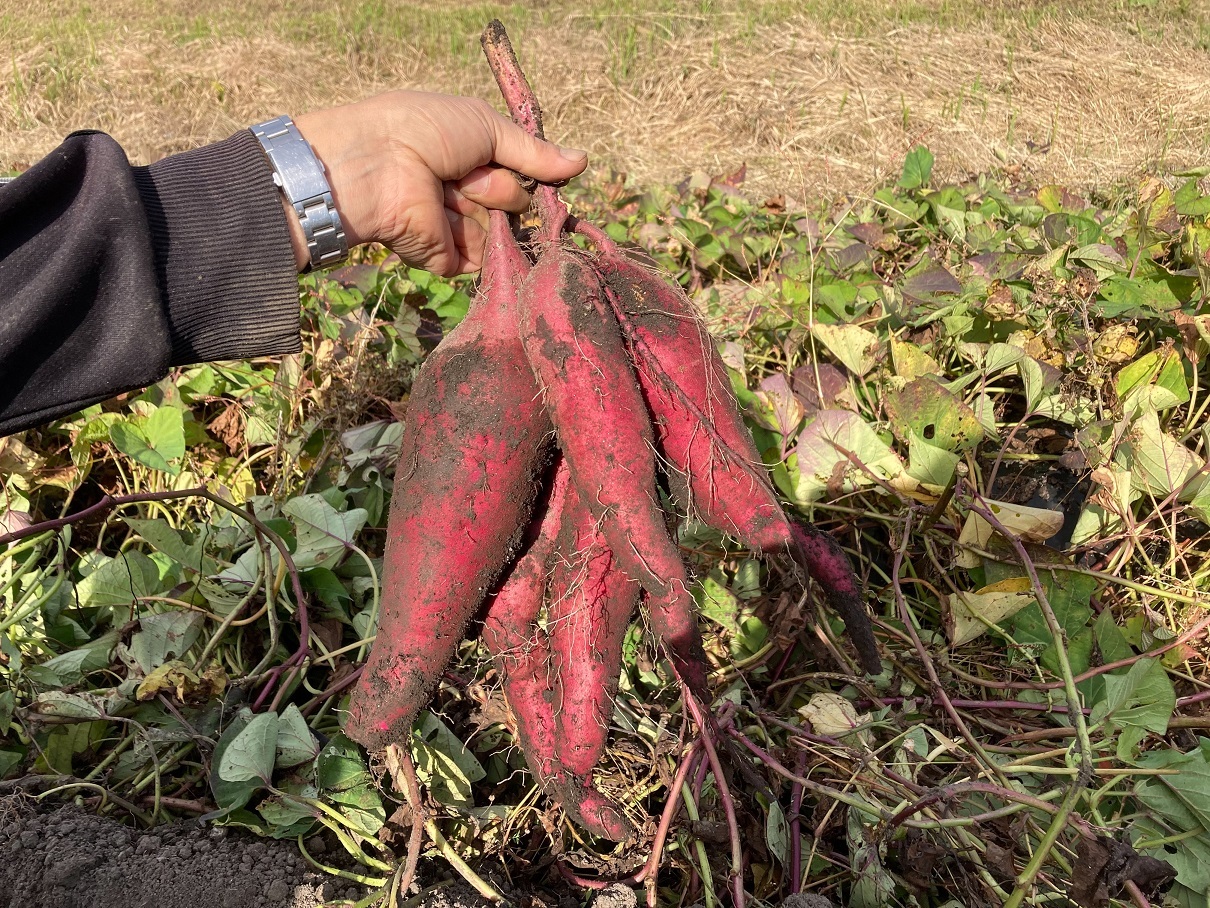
(546, 162)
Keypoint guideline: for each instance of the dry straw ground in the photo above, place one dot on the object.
(814, 99)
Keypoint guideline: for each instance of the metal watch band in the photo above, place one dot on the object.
(301, 177)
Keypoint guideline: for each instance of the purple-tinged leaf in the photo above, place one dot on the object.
(930, 282)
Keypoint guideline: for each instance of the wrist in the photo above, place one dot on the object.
(298, 240)
(350, 166)
(317, 236)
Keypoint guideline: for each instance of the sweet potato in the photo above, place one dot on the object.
(519, 647)
(464, 490)
(591, 602)
(581, 364)
(701, 434)
(522, 655)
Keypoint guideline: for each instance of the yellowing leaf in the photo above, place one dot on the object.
(853, 346)
(1159, 463)
(822, 460)
(832, 715)
(1115, 344)
(178, 679)
(1028, 524)
(911, 362)
(970, 614)
(926, 409)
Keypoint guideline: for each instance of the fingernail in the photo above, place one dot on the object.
(573, 154)
(477, 186)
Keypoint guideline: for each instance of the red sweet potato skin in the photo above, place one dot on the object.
(465, 487)
(522, 655)
(581, 364)
(520, 648)
(591, 603)
(721, 470)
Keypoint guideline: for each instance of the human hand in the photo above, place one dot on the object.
(418, 171)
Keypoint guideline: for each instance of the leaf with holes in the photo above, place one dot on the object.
(935, 415)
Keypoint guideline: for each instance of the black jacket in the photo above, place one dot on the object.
(111, 274)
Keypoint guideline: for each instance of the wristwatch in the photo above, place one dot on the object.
(300, 175)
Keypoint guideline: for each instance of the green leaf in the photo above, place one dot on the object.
(9, 760)
(1190, 202)
(1182, 799)
(949, 208)
(873, 886)
(322, 532)
(172, 543)
(1070, 597)
(164, 637)
(119, 581)
(287, 817)
(73, 665)
(295, 742)
(1141, 700)
(1155, 381)
(1113, 647)
(340, 766)
(327, 588)
(747, 583)
(751, 637)
(8, 703)
(63, 705)
(1128, 298)
(444, 762)
(1037, 381)
(716, 602)
(156, 441)
(917, 168)
(930, 464)
(250, 756)
(777, 833)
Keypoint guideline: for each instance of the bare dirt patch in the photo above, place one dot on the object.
(66, 857)
(811, 109)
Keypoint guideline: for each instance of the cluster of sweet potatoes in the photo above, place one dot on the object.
(538, 435)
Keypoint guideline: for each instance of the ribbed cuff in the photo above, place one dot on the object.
(222, 250)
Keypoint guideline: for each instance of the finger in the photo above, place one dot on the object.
(544, 161)
(469, 241)
(493, 187)
(457, 202)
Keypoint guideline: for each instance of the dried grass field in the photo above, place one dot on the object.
(815, 97)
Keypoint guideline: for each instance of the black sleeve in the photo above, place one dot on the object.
(112, 274)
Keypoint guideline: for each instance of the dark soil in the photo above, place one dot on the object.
(54, 856)
(67, 858)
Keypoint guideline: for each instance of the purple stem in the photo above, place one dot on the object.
(972, 704)
(796, 825)
(724, 795)
(328, 693)
(650, 870)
